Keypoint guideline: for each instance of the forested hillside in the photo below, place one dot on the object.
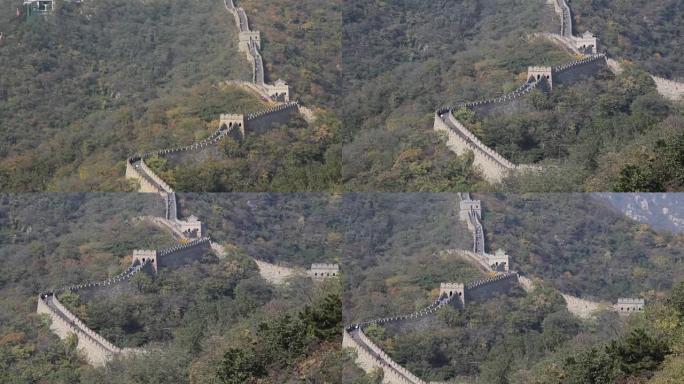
(647, 32)
(301, 42)
(582, 245)
(215, 320)
(567, 243)
(402, 60)
(96, 82)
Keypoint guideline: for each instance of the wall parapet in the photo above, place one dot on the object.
(250, 43)
(98, 350)
(136, 167)
(494, 166)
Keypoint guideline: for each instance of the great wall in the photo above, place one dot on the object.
(97, 350)
(233, 124)
(370, 357)
(670, 89)
(494, 166)
(192, 246)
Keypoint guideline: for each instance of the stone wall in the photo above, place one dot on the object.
(670, 89)
(258, 122)
(263, 121)
(275, 274)
(95, 353)
(579, 69)
(145, 184)
(486, 288)
(493, 166)
(371, 357)
(182, 254)
(581, 308)
(97, 350)
(171, 207)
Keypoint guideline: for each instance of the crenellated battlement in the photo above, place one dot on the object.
(99, 350)
(320, 271)
(494, 166)
(234, 124)
(278, 108)
(626, 306)
(370, 356)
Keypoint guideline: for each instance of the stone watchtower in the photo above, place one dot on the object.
(279, 91)
(324, 271)
(587, 43)
(541, 73)
(628, 305)
(453, 289)
(234, 123)
(191, 227)
(140, 256)
(498, 261)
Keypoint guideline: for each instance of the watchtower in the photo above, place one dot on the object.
(141, 256)
(498, 261)
(628, 306)
(39, 7)
(541, 73)
(192, 227)
(232, 122)
(453, 289)
(324, 271)
(279, 91)
(587, 43)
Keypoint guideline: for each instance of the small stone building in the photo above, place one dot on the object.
(629, 305)
(192, 227)
(280, 91)
(142, 256)
(498, 261)
(324, 271)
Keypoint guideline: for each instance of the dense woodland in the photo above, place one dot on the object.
(643, 31)
(97, 82)
(402, 60)
(217, 320)
(300, 42)
(213, 321)
(519, 337)
(85, 88)
(531, 338)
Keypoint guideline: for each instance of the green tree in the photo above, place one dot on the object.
(639, 353)
(591, 367)
(324, 320)
(240, 366)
